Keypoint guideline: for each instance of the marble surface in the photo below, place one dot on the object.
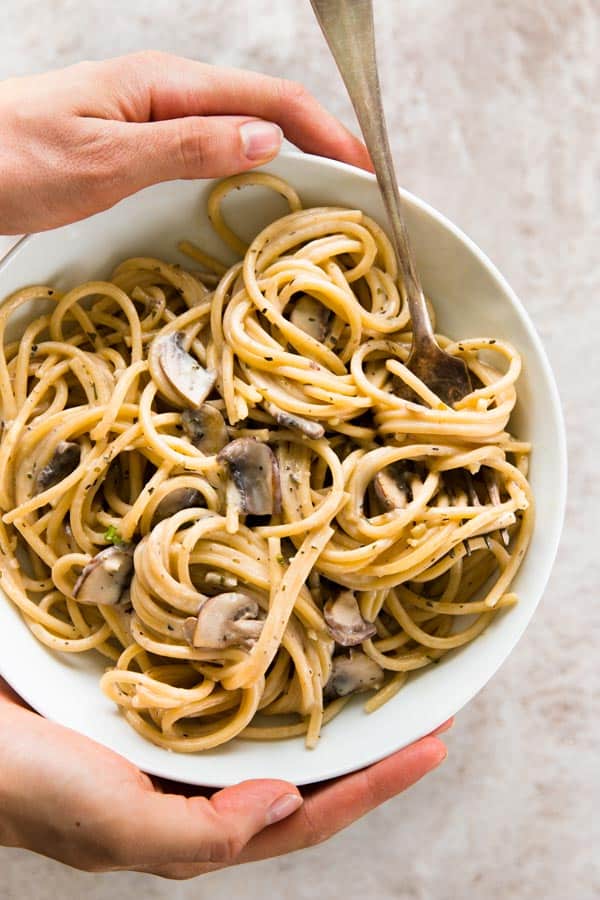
(494, 110)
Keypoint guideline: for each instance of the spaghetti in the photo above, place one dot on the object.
(212, 478)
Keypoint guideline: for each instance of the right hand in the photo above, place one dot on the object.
(76, 141)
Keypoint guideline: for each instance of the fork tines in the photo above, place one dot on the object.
(474, 498)
(491, 484)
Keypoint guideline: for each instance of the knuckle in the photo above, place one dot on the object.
(226, 847)
(133, 67)
(95, 155)
(87, 75)
(192, 147)
(315, 829)
(100, 160)
(147, 59)
(372, 788)
(293, 93)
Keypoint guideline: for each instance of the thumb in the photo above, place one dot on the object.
(196, 829)
(195, 147)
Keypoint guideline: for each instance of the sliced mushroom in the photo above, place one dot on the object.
(311, 316)
(64, 461)
(353, 674)
(307, 427)
(189, 629)
(205, 428)
(392, 488)
(106, 578)
(225, 620)
(184, 373)
(181, 498)
(344, 621)
(255, 475)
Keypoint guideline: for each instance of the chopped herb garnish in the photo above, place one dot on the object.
(112, 535)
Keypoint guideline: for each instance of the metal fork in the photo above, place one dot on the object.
(489, 485)
(349, 31)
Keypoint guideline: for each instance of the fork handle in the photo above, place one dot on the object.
(348, 29)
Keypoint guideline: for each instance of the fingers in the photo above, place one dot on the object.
(328, 809)
(7, 695)
(80, 139)
(335, 806)
(152, 86)
(445, 726)
(66, 797)
(172, 830)
(195, 147)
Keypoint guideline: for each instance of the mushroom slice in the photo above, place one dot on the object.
(184, 373)
(353, 674)
(175, 501)
(64, 461)
(392, 488)
(344, 621)
(225, 620)
(106, 578)
(306, 427)
(311, 316)
(205, 428)
(253, 468)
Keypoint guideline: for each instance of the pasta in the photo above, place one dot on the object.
(213, 478)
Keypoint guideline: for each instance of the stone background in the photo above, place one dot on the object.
(493, 109)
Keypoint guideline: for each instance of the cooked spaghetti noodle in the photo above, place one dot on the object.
(214, 478)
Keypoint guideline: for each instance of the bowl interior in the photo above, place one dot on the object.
(471, 299)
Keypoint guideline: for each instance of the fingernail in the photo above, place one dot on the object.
(283, 807)
(260, 140)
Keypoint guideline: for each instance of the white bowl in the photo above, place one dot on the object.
(472, 299)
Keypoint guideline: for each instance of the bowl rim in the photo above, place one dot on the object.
(383, 748)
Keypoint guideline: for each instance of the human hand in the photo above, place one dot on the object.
(78, 140)
(64, 796)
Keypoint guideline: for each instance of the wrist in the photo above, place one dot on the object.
(10, 835)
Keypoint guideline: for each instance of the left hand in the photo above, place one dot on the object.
(64, 796)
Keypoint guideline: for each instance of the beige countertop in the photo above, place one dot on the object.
(494, 111)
